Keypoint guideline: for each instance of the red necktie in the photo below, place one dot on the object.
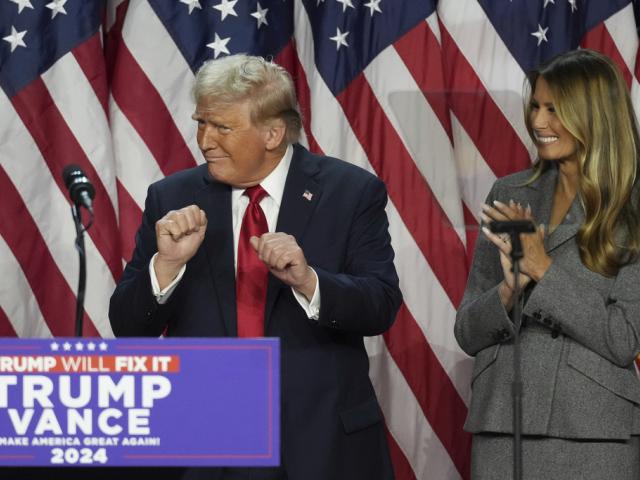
(251, 277)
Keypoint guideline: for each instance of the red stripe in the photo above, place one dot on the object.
(418, 207)
(56, 300)
(141, 103)
(130, 220)
(6, 329)
(421, 53)
(442, 406)
(401, 468)
(598, 39)
(91, 60)
(59, 147)
(479, 114)
(288, 58)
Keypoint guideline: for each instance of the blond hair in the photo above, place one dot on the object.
(268, 86)
(592, 102)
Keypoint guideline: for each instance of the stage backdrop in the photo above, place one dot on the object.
(426, 95)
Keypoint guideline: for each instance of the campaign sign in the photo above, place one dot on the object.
(135, 402)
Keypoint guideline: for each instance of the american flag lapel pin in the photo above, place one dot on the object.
(307, 195)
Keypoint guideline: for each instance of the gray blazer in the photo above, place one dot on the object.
(580, 335)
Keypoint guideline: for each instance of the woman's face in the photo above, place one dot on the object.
(553, 141)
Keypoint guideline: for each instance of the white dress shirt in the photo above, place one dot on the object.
(273, 184)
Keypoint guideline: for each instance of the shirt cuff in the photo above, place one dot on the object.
(311, 308)
(162, 296)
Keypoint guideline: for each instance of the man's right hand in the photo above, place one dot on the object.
(179, 234)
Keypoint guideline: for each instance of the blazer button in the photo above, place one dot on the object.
(537, 315)
(555, 332)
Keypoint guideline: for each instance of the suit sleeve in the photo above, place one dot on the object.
(365, 297)
(133, 309)
(608, 326)
(481, 320)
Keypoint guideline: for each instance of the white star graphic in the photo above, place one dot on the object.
(57, 6)
(574, 7)
(261, 15)
(66, 346)
(340, 39)
(192, 4)
(16, 38)
(91, 346)
(547, 2)
(22, 4)
(345, 4)
(219, 45)
(374, 6)
(103, 346)
(226, 8)
(541, 34)
(79, 346)
(55, 346)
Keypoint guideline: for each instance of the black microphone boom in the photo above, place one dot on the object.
(80, 189)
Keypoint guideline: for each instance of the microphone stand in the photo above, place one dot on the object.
(82, 278)
(514, 228)
(516, 386)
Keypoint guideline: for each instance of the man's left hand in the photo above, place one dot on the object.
(286, 261)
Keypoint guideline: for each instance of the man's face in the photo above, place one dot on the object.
(236, 151)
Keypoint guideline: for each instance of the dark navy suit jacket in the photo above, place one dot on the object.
(331, 422)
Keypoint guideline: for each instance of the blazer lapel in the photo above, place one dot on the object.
(569, 227)
(302, 193)
(542, 203)
(215, 200)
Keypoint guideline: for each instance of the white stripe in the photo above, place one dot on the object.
(83, 113)
(50, 211)
(622, 28)
(164, 65)
(17, 299)
(502, 77)
(419, 129)
(135, 164)
(422, 292)
(432, 21)
(405, 419)
(474, 174)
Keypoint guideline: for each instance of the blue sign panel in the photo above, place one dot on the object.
(139, 402)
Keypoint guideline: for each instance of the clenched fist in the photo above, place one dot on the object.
(179, 234)
(286, 261)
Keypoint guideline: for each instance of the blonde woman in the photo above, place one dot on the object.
(581, 278)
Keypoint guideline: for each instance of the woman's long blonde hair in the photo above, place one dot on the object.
(593, 103)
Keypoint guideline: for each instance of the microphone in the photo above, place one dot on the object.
(512, 226)
(80, 189)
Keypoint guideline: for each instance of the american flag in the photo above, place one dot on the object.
(425, 94)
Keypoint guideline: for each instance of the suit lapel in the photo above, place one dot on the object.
(302, 193)
(215, 200)
(542, 203)
(569, 226)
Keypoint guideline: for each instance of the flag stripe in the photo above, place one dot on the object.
(42, 118)
(405, 185)
(17, 299)
(32, 253)
(420, 50)
(442, 406)
(475, 109)
(138, 99)
(598, 38)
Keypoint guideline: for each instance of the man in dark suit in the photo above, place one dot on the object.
(268, 239)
